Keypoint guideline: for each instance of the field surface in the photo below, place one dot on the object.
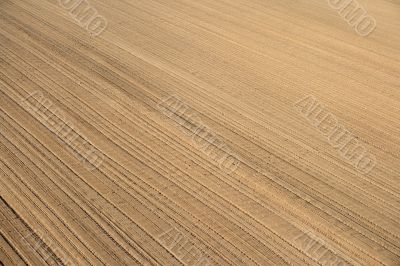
(207, 132)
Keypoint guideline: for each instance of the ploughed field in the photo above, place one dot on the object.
(177, 132)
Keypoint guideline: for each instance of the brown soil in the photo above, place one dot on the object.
(96, 169)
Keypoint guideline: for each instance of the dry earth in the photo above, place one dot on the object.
(172, 135)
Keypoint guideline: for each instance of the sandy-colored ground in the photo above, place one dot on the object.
(182, 134)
